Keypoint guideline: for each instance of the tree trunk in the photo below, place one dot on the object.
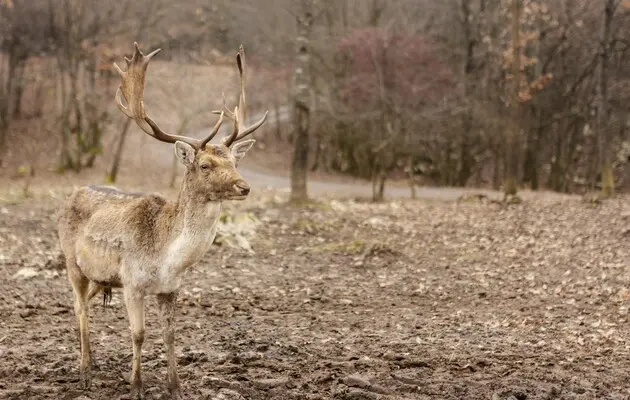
(376, 11)
(66, 156)
(410, 177)
(75, 110)
(6, 90)
(4, 123)
(95, 117)
(113, 170)
(93, 148)
(532, 158)
(555, 181)
(465, 157)
(299, 193)
(65, 159)
(603, 130)
(574, 135)
(301, 108)
(531, 163)
(382, 177)
(38, 107)
(19, 90)
(373, 181)
(383, 163)
(276, 106)
(513, 142)
(378, 182)
(496, 169)
(318, 153)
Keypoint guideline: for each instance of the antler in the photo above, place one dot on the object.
(240, 112)
(132, 88)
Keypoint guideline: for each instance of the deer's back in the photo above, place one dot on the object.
(110, 218)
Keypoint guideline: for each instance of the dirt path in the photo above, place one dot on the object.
(333, 187)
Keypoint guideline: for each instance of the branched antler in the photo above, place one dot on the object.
(132, 88)
(239, 114)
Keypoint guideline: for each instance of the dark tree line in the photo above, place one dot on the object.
(469, 94)
(501, 93)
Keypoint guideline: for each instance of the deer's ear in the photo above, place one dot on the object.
(239, 149)
(185, 153)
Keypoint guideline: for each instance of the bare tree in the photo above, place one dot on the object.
(602, 103)
(302, 103)
(19, 38)
(513, 142)
(82, 32)
(112, 173)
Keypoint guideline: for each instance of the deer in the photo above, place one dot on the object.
(144, 243)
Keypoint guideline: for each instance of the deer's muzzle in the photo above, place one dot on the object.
(241, 187)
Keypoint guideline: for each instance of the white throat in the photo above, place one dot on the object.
(189, 245)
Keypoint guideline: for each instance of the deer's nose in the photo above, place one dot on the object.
(242, 187)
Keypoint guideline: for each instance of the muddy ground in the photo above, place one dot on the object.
(349, 300)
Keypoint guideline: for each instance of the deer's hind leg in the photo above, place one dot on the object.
(80, 286)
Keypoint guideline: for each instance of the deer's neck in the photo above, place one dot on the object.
(194, 213)
(193, 230)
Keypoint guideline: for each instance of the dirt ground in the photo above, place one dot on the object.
(348, 300)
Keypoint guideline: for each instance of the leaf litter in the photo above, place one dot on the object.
(347, 299)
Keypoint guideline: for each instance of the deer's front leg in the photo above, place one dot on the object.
(81, 308)
(167, 318)
(135, 308)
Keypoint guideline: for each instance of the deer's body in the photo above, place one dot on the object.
(119, 239)
(144, 243)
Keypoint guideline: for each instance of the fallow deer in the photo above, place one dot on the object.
(144, 243)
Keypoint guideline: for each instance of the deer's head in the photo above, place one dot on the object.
(211, 173)
(210, 168)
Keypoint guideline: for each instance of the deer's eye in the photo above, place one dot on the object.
(205, 167)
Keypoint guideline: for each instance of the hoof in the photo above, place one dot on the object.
(176, 394)
(137, 394)
(86, 380)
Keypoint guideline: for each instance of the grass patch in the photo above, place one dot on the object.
(353, 247)
(310, 204)
(312, 226)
